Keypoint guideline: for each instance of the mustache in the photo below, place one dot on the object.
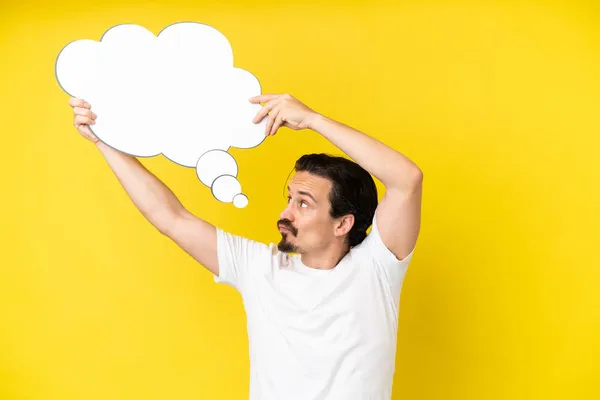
(288, 224)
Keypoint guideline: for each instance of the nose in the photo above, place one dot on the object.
(287, 213)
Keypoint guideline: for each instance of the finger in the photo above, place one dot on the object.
(85, 112)
(271, 121)
(264, 111)
(263, 98)
(277, 124)
(83, 120)
(76, 102)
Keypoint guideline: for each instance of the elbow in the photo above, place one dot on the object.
(163, 222)
(416, 177)
(412, 179)
(163, 230)
(407, 181)
(415, 181)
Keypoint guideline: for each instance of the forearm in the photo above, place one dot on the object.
(391, 167)
(152, 197)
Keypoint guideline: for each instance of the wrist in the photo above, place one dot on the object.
(315, 120)
(103, 147)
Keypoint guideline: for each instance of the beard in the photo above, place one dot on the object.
(285, 245)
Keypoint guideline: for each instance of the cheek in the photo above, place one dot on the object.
(312, 227)
(304, 225)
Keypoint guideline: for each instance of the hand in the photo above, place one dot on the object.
(283, 110)
(84, 117)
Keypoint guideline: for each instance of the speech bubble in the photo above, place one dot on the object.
(176, 93)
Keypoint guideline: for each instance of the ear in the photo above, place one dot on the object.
(343, 225)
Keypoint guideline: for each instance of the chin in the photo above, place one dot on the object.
(286, 247)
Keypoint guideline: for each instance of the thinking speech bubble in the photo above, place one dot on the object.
(176, 94)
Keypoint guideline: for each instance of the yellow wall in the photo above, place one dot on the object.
(498, 103)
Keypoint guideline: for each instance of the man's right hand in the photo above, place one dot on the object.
(84, 117)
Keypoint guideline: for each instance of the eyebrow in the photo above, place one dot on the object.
(304, 193)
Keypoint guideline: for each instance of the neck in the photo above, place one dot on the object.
(325, 259)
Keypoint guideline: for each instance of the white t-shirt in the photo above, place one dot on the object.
(317, 334)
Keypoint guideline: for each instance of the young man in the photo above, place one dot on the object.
(322, 305)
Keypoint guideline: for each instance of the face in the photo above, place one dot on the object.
(305, 223)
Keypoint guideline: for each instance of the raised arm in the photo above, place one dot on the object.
(154, 199)
(399, 212)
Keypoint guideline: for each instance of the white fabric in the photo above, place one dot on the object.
(317, 334)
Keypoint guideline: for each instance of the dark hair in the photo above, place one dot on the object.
(353, 190)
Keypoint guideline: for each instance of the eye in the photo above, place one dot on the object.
(302, 203)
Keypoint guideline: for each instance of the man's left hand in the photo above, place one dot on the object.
(283, 110)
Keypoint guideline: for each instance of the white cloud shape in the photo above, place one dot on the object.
(176, 94)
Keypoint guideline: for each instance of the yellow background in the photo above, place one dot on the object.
(497, 102)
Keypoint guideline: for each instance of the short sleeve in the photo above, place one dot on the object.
(384, 261)
(238, 257)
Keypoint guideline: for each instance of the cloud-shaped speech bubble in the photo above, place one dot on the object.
(176, 94)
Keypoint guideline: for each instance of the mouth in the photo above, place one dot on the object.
(284, 229)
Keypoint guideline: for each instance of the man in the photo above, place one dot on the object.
(322, 306)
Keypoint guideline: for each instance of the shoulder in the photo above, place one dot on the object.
(374, 249)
